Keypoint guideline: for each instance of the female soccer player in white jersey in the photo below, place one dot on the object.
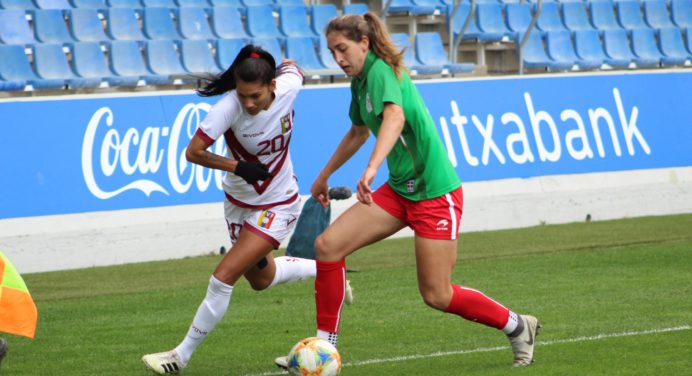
(255, 118)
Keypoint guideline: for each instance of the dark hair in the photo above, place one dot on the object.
(251, 64)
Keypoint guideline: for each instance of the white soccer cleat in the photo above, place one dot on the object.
(164, 363)
(348, 294)
(281, 362)
(523, 344)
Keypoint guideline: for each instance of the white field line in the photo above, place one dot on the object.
(497, 348)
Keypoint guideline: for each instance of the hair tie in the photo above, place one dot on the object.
(254, 55)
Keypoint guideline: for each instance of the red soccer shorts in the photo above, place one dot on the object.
(435, 218)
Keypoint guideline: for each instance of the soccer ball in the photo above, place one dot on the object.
(314, 357)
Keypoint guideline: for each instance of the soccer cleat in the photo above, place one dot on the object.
(348, 294)
(281, 362)
(164, 363)
(524, 342)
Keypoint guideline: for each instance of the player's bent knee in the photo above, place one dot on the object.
(321, 248)
(435, 299)
(259, 284)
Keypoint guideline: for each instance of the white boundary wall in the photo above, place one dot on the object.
(72, 241)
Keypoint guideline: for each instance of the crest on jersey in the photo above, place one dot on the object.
(286, 123)
(266, 218)
(368, 102)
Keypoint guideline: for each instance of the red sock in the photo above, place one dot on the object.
(330, 287)
(475, 306)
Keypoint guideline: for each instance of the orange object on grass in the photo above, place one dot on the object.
(18, 314)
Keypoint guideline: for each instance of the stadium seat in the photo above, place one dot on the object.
(163, 58)
(656, 14)
(472, 31)
(518, 17)
(124, 3)
(630, 15)
(672, 47)
(560, 49)
(602, 15)
(87, 26)
(197, 57)
(90, 4)
(354, 8)
(492, 23)
(587, 44)
(159, 3)
(228, 22)
(194, 24)
(50, 27)
(17, 4)
(14, 27)
(644, 45)
(429, 51)
(123, 24)
(289, 2)
(260, 22)
(409, 7)
(434, 4)
(534, 54)
(616, 46)
(302, 51)
(681, 12)
(126, 61)
(320, 15)
(227, 3)
(260, 3)
(410, 60)
(16, 70)
(158, 24)
(688, 33)
(271, 45)
(53, 4)
(575, 17)
(51, 63)
(293, 21)
(325, 55)
(193, 3)
(89, 61)
(549, 19)
(227, 50)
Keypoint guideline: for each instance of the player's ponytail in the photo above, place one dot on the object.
(251, 64)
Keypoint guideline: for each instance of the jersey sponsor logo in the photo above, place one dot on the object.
(368, 102)
(266, 218)
(249, 135)
(442, 225)
(286, 123)
(411, 186)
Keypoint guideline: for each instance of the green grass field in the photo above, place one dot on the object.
(614, 298)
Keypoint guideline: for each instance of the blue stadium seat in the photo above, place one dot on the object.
(630, 15)
(429, 51)
(53, 4)
(14, 27)
(408, 7)
(518, 17)
(587, 44)
(472, 31)
(197, 57)
(227, 3)
(91, 4)
(126, 61)
(87, 26)
(260, 22)
(293, 21)
(320, 15)
(575, 17)
(164, 59)
(302, 51)
(259, 3)
(124, 3)
(656, 14)
(491, 22)
(123, 24)
(672, 47)
(325, 55)
(550, 19)
(50, 27)
(290, 2)
(193, 3)
(410, 60)
(227, 50)
(16, 71)
(228, 22)
(644, 45)
(617, 46)
(159, 3)
(89, 61)
(560, 48)
(431, 4)
(534, 54)
(681, 11)
(17, 4)
(194, 24)
(158, 24)
(354, 8)
(51, 63)
(688, 33)
(602, 15)
(271, 45)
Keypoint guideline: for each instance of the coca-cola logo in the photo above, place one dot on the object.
(110, 152)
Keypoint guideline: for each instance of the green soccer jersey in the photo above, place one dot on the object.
(419, 168)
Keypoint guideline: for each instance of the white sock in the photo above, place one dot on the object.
(512, 324)
(329, 336)
(290, 269)
(209, 314)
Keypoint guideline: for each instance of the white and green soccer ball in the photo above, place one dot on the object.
(314, 357)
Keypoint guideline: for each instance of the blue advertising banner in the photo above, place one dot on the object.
(97, 153)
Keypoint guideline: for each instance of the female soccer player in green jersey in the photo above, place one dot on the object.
(422, 192)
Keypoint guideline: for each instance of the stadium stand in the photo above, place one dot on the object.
(227, 22)
(681, 12)
(124, 4)
(302, 51)
(227, 3)
(123, 24)
(293, 21)
(226, 51)
(354, 8)
(53, 4)
(89, 4)
(86, 25)
(411, 8)
(261, 23)
(644, 45)
(51, 63)
(89, 61)
(164, 58)
(50, 26)
(535, 56)
(127, 61)
(575, 16)
(193, 3)
(672, 47)
(16, 71)
(159, 3)
(518, 17)
(602, 15)
(14, 27)
(457, 23)
(325, 55)
(430, 51)
(320, 15)
(271, 45)
(17, 4)
(158, 24)
(630, 15)
(194, 24)
(197, 57)
(587, 44)
(656, 14)
(403, 41)
(560, 49)
(491, 22)
(549, 19)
